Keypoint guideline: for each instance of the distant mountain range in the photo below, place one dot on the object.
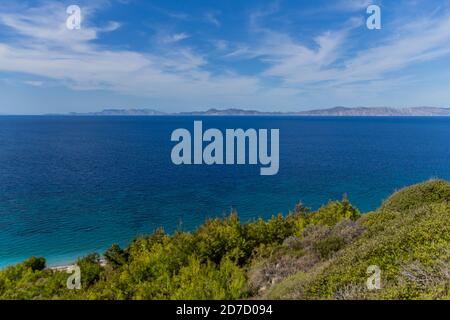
(121, 112)
(229, 112)
(336, 111)
(378, 111)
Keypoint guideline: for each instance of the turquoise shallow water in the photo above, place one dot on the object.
(72, 185)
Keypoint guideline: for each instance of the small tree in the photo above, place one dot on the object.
(115, 256)
(35, 263)
(91, 269)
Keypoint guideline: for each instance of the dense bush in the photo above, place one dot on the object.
(35, 263)
(418, 196)
(115, 256)
(334, 212)
(91, 269)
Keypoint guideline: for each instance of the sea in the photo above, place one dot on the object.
(71, 185)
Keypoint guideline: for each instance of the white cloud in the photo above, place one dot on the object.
(211, 17)
(176, 37)
(34, 83)
(353, 5)
(296, 63)
(332, 60)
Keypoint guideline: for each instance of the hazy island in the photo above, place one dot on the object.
(335, 112)
(323, 254)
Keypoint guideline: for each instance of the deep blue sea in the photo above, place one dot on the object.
(73, 185)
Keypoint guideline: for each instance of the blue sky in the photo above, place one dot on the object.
(196, 54)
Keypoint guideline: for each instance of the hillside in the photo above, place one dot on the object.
(408, 238)
(304, 255)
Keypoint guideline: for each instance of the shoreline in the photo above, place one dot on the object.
(57, 266)
(65, 267)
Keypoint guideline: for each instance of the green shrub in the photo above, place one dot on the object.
(327, 247)
(334, 212)
(219, 238)
(208, 281)
(35, 263)
(90, 268)
(115, 256)
(417, 196)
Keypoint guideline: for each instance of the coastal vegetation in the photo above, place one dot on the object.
(304, 255)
